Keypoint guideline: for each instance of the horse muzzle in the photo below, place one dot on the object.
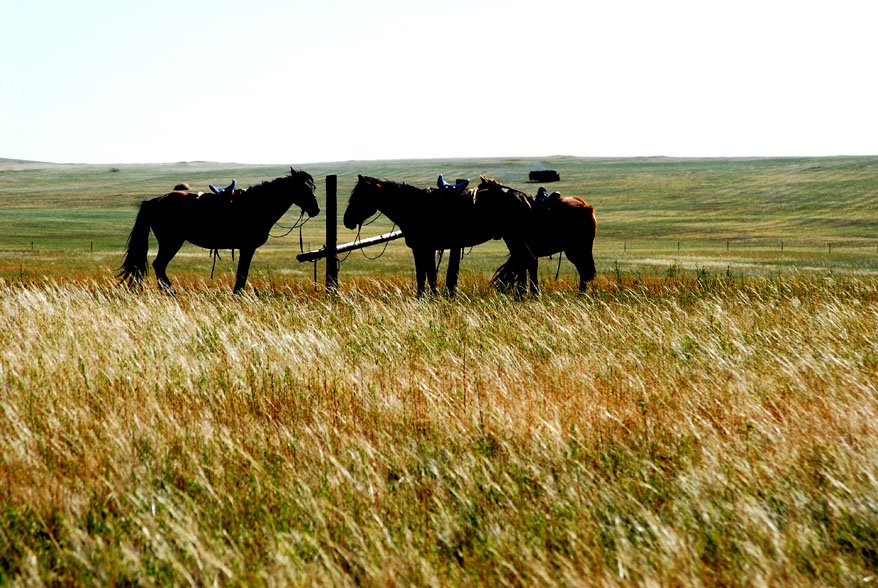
(350, 223)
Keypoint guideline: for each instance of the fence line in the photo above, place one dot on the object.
(625, 245)
(681, 245)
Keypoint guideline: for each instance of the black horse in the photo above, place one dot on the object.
(433, 220)
(560, 223)
(240, 220)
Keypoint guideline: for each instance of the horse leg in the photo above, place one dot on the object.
(533, 270)
(519, 274)
(420, 270)
(521, 280)
(431, 273)
(244, 260)
(526, 263)
(584, 263)
(453, 271)
(167, 251)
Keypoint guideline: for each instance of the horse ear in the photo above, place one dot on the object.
(483, 178)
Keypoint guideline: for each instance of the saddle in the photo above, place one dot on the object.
(230, 189)
(451, 189)
(541, 200)
(219, 195)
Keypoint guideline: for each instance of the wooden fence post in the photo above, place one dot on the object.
(331, 233)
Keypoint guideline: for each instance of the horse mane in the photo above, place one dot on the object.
(488, 183)
(396, 186)
(294, 175)
(574, 201)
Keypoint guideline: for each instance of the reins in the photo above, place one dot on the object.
(363, 249)
(377, 216)
(386, 243)
(296, 225)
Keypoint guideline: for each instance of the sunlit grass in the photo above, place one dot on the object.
(704, 415)
(684, 429)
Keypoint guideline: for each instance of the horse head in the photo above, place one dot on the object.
(363, 202)
(305, 196)
(489, 184)
(492, 193)
(510, 207)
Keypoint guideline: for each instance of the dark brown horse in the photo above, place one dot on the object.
(432, 220)
(557, 224)
(214, 221)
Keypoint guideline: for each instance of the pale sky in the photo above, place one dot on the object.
(271, 81)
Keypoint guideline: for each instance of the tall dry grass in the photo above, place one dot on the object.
(662, 431)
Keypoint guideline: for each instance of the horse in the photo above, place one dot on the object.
(239, 220)
(560, 223)
(433, 220)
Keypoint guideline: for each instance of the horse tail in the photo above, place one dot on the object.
(134, 265)
(505, 276)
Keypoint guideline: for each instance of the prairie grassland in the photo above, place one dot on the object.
(664, 430)
(73, 220)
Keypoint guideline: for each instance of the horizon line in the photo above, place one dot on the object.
(458, 158)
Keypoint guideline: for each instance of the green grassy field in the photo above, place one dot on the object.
(714, 214)
(706, 415)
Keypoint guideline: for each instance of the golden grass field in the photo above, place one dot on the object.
(672, 426)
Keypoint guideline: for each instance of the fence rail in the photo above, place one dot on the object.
(362, 243)
(730, 244)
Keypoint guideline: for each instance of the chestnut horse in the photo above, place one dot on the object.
(560, 223)
(240, 220)
(433, 220)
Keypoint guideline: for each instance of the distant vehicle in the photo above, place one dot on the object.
(544, 175)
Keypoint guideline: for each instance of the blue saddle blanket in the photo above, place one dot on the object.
(456, 189)
(230, 189)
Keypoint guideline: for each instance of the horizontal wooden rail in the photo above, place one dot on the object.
(321, 253)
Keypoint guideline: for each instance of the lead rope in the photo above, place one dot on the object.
(560, 257)
(302, 250)
(357, 238)
(383, 251)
